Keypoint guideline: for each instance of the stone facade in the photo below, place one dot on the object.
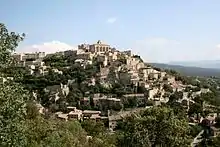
(99, 47)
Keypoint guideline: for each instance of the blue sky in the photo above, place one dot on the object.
(158, 30)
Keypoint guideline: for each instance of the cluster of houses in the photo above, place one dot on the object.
(75, 114)
(126, 66)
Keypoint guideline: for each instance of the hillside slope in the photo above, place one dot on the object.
(190, 71)
(202, 64)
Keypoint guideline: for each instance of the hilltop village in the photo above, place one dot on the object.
(127, 84)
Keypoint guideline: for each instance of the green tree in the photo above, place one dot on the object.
(12, 112)
(168, 88)
(54, 133)
(157, 126)
(8, 42)
(214, 142)
(103, 140)
(32, 110)
(12, 96)
(93, 128)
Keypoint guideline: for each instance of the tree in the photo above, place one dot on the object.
(8, 42)
(93, 128)
(103, 140)
(12, 95)
(157, 126)
(168, 88)
(42, 132)
(32, 110)
(195, 108)
(174, 97)
(12, 112)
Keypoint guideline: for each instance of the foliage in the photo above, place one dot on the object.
(195, 108)
(168, 88)
(12, 96)
(194, 130)
(8, 42)
(157, 126)
(32, 110)
(214, 142)
(103, 140)
(56, 61)
(93, 128)
(12, 112)
(53, 133)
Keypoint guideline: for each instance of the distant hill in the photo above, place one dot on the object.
(189, 71)
(202, 64)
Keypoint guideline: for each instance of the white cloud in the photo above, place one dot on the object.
(48, 47)
(111, 20)
(218, 46)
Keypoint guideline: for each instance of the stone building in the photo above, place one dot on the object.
(84, 47)
(99, 47)
(102, 59)
(112, 56)
(85, 56)
(29, 56)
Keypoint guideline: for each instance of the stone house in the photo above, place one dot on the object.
(152, 92)
(80, 51)
(112, 56)
(140, 65)
(104, 73)
(18, 57)
(91, 114)
(132, 63)
(74, 113)
(143, 75)
(106, 101)
(103, 59)
(156, 75)
(134, 76)
(162, 75)
(61, 116)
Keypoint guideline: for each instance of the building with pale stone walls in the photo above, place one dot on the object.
(99, 47)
